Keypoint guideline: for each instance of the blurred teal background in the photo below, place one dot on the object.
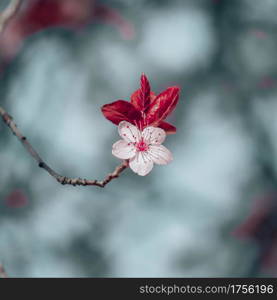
(182, 219)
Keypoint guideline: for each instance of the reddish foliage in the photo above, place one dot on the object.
(260, 34)
(145, 108)
(37, 15)
(250, 226)
(261, 226)
(267, 82)
(111, 16)
(16, 199)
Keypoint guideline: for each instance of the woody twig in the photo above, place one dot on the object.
(5, 17)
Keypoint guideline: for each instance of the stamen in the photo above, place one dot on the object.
(141, 146)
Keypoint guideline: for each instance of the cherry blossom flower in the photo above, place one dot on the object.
(145, 109)
(142, 148)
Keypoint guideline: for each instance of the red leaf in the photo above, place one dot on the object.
(135, 98)
(162, 106)
(145, 109)
(141, 98)
(120, 110)
(168, 128)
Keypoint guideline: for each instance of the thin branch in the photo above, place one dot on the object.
(5, 17)
(61, 179)
(3, 273)
(8, 13)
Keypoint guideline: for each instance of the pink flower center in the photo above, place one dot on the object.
(141, 146)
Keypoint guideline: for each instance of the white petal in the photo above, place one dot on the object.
(159, 154)
(128, 132)
(153, 135)
(141, 164)
(123, 149)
